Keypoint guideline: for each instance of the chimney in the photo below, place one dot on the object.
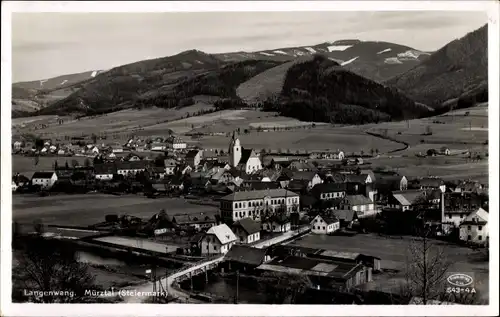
(442, 207)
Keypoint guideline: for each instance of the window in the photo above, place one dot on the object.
(323, 227)
(480, 228)
(314, 227)
(449, 216)
(468, 237)
(461, 216)
(480, 238)
(468, 228)
(215, 248)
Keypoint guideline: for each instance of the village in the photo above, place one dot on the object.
(259, 212)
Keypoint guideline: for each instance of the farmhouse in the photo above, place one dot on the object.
(218, 240)
(175, 143)
(474, 229)
(117, 149)
(455, 207)
(428, 183)
(302, 166)
(45, 179)
(327, 191)
(170, 165)
(405, 200)
(444, 151)
(312, 178)
(247, 230)
(158, 146)
(387, 183)
(245, 159)
(346, 217)
(193, 158)
(362, 178)
(105, 171)
(253, 204)
(195, 221)
(359, 203)
(325, 225)
(130, 168)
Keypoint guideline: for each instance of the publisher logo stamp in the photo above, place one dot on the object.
(460, 283)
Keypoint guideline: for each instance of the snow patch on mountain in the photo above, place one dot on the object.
(310, 49)
(94, 73)
(392, 60)
(336, 48)
(411, 54)
(266, 54)
(349, 61)
(280, 52)
(385, 51)
(199, 62)
(42, 81)
(64, 81)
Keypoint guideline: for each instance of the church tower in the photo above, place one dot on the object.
(234, 151)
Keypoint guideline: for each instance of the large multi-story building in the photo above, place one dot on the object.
(256, 203)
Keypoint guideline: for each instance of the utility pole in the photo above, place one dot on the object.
(237, 286)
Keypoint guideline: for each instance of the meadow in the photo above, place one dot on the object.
(89, 209)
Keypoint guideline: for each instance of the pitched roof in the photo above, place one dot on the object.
(408, 197)
(246, 154)
(328, 219)
(354, 178)
(329, 188)
(223, 233)
(131, 165)
(42, 175)
(246, 254)
(249, 225)
(192, 153)
(170, 162)
(105, 168)
(304, 175)
(259, 194)
(345, 215)
(428, 182)
(192, 218)
(356, 200)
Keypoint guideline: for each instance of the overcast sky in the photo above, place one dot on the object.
(46, 45)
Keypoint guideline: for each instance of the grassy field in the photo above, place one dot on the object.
(84, 210)
(393, 253)
(26, 165)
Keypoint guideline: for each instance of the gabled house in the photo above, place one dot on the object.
(116, 148)
(301, 166)
(198, 221)
(44, 179)
(474, 228)
(247, 230)
(324, 224)
(245, 258)
(170, 165)
(428, 183)
(405, 200)
(156, 172)
(222, 176)
(444, 151)
(193, 158)
(359, 203)
(312, 178)
(455, 207)
(218, 240)
(276, 223)
(346, 217)
(105, 171)
(176, 184)
(327, 191)
(361, 178)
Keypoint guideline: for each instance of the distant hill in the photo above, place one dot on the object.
(165, 82)
(321, 90)
(378, 61)
(456, 72)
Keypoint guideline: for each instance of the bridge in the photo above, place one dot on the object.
(204, 266)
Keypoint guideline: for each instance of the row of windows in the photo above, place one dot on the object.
(479, 228)
(244, 204)
(478, 237)
(332, 195)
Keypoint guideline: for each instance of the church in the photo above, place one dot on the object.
(243, 159)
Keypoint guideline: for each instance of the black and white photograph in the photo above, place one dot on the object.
(207, 153)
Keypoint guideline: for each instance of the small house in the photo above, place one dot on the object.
(45, 179)
(444, 151)
(245, 258)
(277, 223)
(117, 149)
(474, 229)
(346, 217)
(324, 224)
(105, 171)
(170, 165)
(247, 230)
(359, 203)
(176, 184)
(193, 158)
(218, 240)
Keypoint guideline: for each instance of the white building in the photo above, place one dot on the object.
(176, 143)
(474, 229)
(158, 146)
(104, 171)
(193, 158)
(247, 230)
(170, 165)
(130, 168)
(324, 225)
(45, 179)
(254, 204)
(245, 159)
(218, 240)
(116, 149)
(14, 186)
